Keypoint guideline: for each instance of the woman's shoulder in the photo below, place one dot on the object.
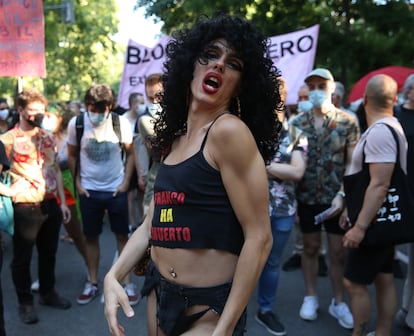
(229, 129)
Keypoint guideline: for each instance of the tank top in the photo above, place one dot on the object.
(192, 209)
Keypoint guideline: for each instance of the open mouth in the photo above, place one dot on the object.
(211, 83)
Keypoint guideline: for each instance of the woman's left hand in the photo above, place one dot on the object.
(115, 296)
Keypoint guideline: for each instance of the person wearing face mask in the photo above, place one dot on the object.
(294, 262)
(36, 184)
(304, 105)
(153, 91)
(332, 136)
(137, 184)
(102, 179)
(4, 115)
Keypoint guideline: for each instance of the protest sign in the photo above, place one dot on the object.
(292, 53)
(22, 47)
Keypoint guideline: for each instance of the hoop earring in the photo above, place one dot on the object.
(238, 107)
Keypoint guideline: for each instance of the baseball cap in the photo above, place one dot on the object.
(320, 72)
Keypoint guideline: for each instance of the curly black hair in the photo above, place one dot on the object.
(259, 90)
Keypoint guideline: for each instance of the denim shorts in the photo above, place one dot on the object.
(93, 209)
(173, 299)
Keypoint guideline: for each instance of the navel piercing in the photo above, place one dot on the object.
(172, 272)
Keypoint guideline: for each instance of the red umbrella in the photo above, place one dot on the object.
(399, 73)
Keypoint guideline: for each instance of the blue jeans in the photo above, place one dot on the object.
(269, 279)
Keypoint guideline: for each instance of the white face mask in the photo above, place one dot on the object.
(4, 114)
(154, 109)
(140, 109)
(317, 98)
(49, 123)
(304, 106)
(97, 119)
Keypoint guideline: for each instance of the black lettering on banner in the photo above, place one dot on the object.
(136, 80)
(158, 52)
(137, 55)
(305, 43)
(276, 51)
(133, 55)
(286, 45)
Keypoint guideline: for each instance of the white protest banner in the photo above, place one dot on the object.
(140, 61)
(292, 53)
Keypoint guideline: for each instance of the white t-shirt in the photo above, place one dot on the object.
(101, 166)
(380, 145)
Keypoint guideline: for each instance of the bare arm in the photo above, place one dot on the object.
(61, 193)
(234, 151)
(292, 171)
(73, 163)
(338, 202)
(374, 196)
(129, 168)
(115, 295)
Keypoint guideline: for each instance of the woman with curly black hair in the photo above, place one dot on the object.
(209, 219)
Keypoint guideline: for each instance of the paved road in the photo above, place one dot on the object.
(89, 320)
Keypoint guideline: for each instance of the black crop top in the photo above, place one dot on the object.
(192, 209)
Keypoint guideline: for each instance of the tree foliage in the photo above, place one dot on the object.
(78, 54)
(355, 36)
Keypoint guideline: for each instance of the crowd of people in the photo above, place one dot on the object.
(209, 167)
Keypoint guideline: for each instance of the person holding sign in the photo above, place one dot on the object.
(209, 219)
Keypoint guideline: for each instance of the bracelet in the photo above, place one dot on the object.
(341, 193)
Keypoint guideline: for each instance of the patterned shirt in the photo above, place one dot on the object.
(31, 164)
(327, 154)
(282, 193)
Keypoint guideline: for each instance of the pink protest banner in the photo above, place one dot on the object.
(22, 47)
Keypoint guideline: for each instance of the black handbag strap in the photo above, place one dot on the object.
(394, 134)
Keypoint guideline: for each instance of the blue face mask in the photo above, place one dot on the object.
(304, 106)
(97, 119)
(317, 98)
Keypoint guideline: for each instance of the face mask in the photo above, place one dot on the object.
(4, 114)
(154, 108)
(317, 98)
(37, 120)
(49, 124)
(304, 106)
(140, 108)
(97, 119)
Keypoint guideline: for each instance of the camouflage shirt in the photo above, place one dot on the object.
(326, 154)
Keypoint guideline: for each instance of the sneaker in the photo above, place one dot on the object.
(27, 314)
(89, 293)
(293, 263)
(131, 291)
(398, 270)
(35, 286)
(400, 318)
(54, 300)
(271, 323)
(341, 312)
(309, 309)
(322, 268)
